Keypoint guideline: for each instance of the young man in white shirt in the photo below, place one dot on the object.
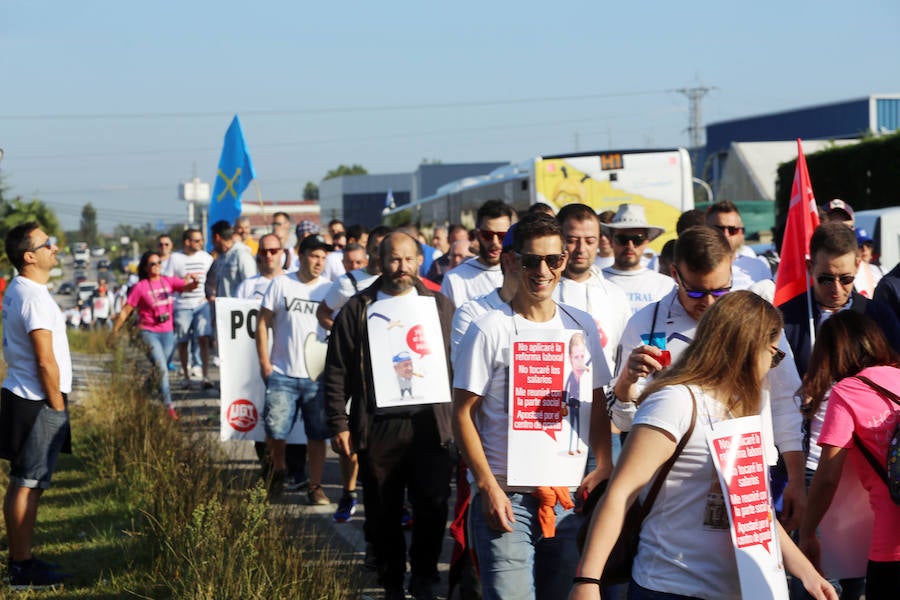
(481, 275)
(631, 235)
(515, 559)
(38, 378)
(191, 312)
(288, 309)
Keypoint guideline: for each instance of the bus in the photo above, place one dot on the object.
(659, 180)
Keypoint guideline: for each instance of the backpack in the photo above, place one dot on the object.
(889, 471)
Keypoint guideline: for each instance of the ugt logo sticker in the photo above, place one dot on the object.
(242, 415)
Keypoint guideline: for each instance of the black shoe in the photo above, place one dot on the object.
(422, 588)
(34, 575)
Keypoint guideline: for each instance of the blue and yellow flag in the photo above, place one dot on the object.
(234, 175)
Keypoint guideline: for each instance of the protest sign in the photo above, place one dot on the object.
(550, 393)
(241, 387)
(738, 453)
(406, 345)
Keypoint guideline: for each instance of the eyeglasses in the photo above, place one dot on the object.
(830, 279)
(270, 251)
(153, 263)
(777, 357)
(698, 294)
(637, 239)
(47, 244)
(533, 261)
(729, 229)
(164, 244)
(488, 236)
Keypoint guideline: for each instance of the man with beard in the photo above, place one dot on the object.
(481, 275)
(399, 448)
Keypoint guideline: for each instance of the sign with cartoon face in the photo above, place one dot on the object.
(406, 346)
(550, 399)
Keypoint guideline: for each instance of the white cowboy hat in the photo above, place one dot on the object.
(631, 216)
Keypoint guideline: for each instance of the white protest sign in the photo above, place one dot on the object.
(406, 345)
(738, 453)
(241, 388)
(550, 393)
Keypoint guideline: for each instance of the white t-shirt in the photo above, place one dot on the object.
(604, 301)
(197, 264)
(601, 262)
(482, 367)
(342, 289)
(642, 286)
(294, 304)
(470, 279)
(746, 271)
(677, 553)
(779, 408)
(334, 266)
(28, 306)
(102, 305)
(253, 288)
(469, 312)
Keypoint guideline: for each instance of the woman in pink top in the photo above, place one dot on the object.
(152, 297)
(850, 344)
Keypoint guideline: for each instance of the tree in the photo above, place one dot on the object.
(342, 170)
(88, 228)
(311, 191)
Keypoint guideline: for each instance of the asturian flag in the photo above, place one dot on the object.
(803, 218)
(234, 175)
(389, 200)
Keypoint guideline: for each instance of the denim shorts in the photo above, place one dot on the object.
(192, 319)
(36, 461)
(287, 396)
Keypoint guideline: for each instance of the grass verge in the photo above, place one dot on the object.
(146, 509)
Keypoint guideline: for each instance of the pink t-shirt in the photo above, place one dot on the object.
(153, 300)
(855, 407)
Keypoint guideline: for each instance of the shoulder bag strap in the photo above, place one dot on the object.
(353, 281)
(667, 466)
(879, 468)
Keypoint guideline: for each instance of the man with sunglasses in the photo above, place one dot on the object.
(631, 235)
(193, 323)
(515, 558)
(165, 247)
(657, 335)
(832, 266)
(481, 275)
(747, 268)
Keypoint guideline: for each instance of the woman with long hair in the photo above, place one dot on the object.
(681, 554)
(153, 296)
(859, 418)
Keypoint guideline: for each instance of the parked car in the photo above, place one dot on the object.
(66, 288)
(80, 264)
(103, 265)
(98, 251)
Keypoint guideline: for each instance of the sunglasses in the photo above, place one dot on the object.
(47, 244)
(153, 263)
(488, 236)
(830, 279)
(533, 261)
(698, 294)
(270, 251)
(777, 357)
(730, 229)
(637, 239)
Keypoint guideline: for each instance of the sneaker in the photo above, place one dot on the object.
(316, 495)
(171, 412)
(186, 384)
(296, 482)
(33, 575)
(346, 508)
(196, 372)
(207, 384)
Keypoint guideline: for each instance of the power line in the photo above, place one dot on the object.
(331, 110)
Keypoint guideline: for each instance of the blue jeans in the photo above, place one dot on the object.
(285, 397)
(523, 565)
(159, 348)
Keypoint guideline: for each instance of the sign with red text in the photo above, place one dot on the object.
(242, 391)
(550, 393)
(406, 346)
(738, 453)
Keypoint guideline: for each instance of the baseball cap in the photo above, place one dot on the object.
(863, 237)
(508, 238)
(305, 228)
(838, 204)
(315, 242)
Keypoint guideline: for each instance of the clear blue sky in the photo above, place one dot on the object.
(114, 103)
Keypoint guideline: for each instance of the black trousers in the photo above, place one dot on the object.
(404, 454)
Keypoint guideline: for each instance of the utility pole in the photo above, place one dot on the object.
(695, 120)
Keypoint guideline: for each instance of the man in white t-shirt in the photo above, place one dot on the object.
(747, 268)
(583, 286)
(631, 235)
(289, 310)
(517, 556)
(656, 335)
(481, 275)
(191, 311)
(165, 247)
(33, 414)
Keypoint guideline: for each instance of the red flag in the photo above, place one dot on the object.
(803, 218)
